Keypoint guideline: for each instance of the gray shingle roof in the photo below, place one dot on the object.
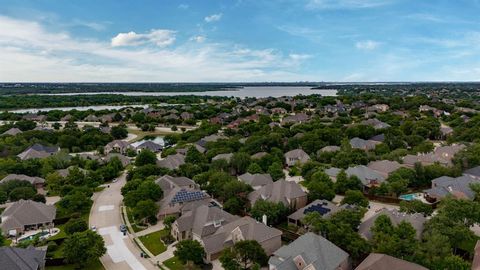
(12, 132)
(204, 220)
(417, 220)
(324, 207)
(384, 167)
(26, 212)
(257, 179)
(313, 250)
(22, 177)
(172, 161)
(279, 191)
(365, 174)
(377, 261)
(457, 187)
(38, 151)
(12, 258)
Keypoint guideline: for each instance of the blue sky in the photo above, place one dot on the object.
(242, 40)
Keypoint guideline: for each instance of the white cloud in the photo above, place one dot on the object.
(367, 45)
(34, 53)
(198, 38)
(183, 6)
(299, 57)
(346, 4)
(159, 37)
(214, 17)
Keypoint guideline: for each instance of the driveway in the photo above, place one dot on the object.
(122, 253)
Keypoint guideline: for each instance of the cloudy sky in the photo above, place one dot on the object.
(242, 40)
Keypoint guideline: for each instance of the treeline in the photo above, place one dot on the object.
(39, 101)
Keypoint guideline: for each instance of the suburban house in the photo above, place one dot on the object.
(375, 123)
(310, 251)
(186, 115)
(367, 176)
(330, 148)
(177, 192)
(200, 221)
(227, 157)
(37, 182)
(172, 162)
(123, 159)
(323, 207)
(30, 258)
(442, 154)
(377, 261)
(286, 192)
(417, 220)
(38, 151)
(366, 145)
(25, 215)
(66, 172)
(117, 146)
(378, 108)
(256, 181)
(297, 156)
(35, 117)
(245, 228)
(295, 119)
(91, 118)
(384, 167)
(154, 147)
(12, 132)
(444, 186)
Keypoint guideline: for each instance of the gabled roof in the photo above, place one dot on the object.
(417, 220)
(167, 183)
(172, 161)
(258, 179)
(377, 261)
(226, 156)
(385, 167)
(296, 153)
(475, 171)
(12, 258)
(27, 212)
(204, 220)
(313, 250)
(457, 187)
(38, 151)
(279, 191)
(249, 228)
(330, 148)
(13, 131)
(23, 177)
(365, 174)
(359, 143)
(154, 147)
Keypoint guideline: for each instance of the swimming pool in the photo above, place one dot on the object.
(408, 197)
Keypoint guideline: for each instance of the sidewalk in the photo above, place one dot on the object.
(157, 227)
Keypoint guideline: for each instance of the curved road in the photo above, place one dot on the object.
(122, 253)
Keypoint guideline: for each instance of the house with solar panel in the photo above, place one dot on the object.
(323, 207)
(178, 192)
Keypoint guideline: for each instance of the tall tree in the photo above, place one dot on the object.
(190, 251)
(84, 248)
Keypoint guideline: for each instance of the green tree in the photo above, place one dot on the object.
(240, 162)
(84, 248)
(276, 171)
(355, 197)
(75, 225)
(244, 254)
(119, 132)
(254, 168)
(275, 212)
(145, 209)
(415, 206)
(145, 157)
(190, 251)
(168, 221)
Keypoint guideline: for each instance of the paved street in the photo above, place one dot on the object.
(122, 253)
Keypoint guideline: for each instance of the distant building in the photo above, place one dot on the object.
(366, 145)
(256, 181)
(323, 207)
(12, 132)
(37, 182)
(172, 162)
(416, 220)
(444, 186)
(38, 151)
(117, 146)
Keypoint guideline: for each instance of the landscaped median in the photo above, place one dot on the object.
(153, 241)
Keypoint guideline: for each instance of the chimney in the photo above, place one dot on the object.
(264, 219)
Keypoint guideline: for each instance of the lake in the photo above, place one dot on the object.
(250, 91)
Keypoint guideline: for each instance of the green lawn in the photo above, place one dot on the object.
(153, 242)
(173, 264)
(95, 266)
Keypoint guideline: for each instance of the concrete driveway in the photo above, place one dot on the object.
(122, 253)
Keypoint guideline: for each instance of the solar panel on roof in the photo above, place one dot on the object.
(317, 208)
(186, 196)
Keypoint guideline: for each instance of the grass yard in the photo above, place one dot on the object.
(153, 242)
(173, 264)
(95, 266)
